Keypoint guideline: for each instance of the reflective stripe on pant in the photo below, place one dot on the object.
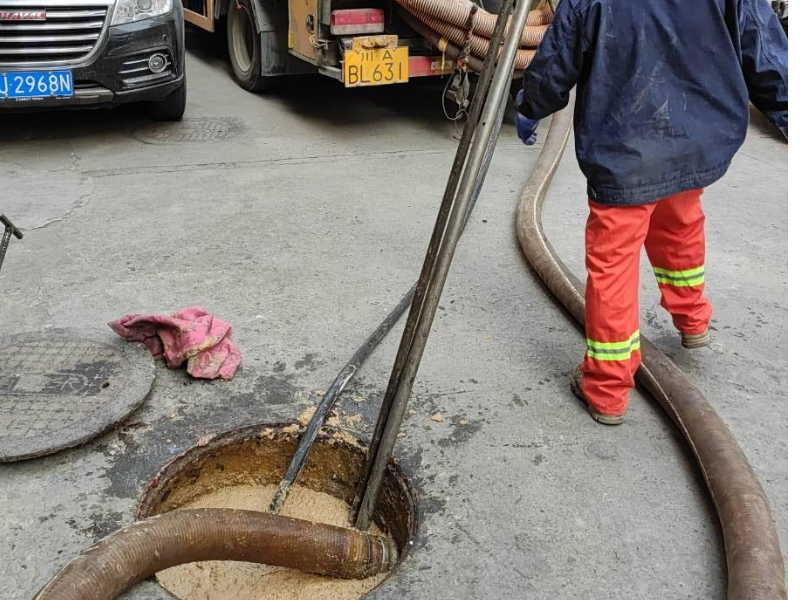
(676, 247)
(614, 238)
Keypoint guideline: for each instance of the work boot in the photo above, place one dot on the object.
(576, 387)
(695, 340)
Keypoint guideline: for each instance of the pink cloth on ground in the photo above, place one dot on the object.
(191, 335)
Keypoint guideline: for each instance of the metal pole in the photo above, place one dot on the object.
(8, 231)
(397, 402)
(354, 364)
(417, 292)
(434, 246)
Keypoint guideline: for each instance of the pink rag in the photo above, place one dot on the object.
(191, 335)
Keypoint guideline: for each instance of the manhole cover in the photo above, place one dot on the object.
(190, 130)
(60, 388)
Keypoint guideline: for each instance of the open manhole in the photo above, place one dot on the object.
(196, 130)
(240, 469)
(61, 388)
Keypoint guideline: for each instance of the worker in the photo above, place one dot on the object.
(661, 108)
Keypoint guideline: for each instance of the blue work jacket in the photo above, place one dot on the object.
(663, 88)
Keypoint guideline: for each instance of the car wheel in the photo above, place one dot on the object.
(244, 47)
(172, 107)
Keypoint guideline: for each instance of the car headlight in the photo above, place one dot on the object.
(127, 11)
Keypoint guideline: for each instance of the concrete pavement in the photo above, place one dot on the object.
(301, 218)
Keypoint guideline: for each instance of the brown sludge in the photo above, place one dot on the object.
(228, 580)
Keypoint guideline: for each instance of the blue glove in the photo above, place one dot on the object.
(526, 128)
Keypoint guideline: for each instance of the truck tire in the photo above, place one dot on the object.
(244, 47)
(172, 107)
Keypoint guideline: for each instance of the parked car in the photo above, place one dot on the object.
(93, 53)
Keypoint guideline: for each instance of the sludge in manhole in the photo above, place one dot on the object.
(190, 130)
(240, 469)
(60, 388)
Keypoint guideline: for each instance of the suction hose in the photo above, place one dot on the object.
(752, 549)
(453, 28)
(117, 562)
(478, 45)
(457, 12)
(439, 41)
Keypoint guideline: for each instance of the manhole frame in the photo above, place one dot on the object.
(189, 464)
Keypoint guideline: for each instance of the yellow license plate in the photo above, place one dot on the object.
(377, 66)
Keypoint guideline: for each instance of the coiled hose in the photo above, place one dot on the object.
(457, 12)
(117, 562)
(455, 27)
(752, 549)
(478, 45)
(532, 36)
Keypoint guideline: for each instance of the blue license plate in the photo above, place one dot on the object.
(36, 84)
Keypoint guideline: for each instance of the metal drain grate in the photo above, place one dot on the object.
(189, 131)
(59, 389)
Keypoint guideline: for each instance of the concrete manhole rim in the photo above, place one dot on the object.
(189, 464)
(138, 376)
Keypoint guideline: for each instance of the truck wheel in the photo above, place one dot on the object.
(244, 47)
(172, 107)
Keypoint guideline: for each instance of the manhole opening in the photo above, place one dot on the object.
(240, 464)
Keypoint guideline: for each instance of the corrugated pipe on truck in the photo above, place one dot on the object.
(437, 40)
(457, 12)
(478, 45)
(450, 40)
(752, 549)
(117, 562)
(531, 37)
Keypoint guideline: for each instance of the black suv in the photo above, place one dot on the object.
(66, 53)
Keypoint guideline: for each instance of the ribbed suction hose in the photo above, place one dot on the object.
(451, 21)
(752, 548)
(478, 45)
(457, 12)
(531, 37)
(136, 552)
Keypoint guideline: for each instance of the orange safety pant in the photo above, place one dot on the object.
(672, 231)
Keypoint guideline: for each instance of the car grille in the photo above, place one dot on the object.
(70, 32)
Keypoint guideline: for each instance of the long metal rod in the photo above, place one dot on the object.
(331, 396)
(454, 179)
(354, 364)
(351, 368)
(405, 372)
(423, 283)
